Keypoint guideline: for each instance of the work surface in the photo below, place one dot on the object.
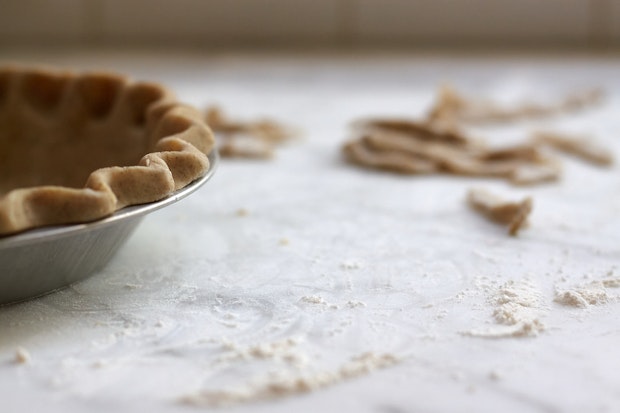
(306, 284)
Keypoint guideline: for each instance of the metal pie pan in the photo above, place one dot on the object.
(42, 260)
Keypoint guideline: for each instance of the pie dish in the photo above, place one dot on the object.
(42, 260)
(75, 148)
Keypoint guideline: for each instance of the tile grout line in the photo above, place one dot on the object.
(599, 23)
(347, 13)
(93, 20)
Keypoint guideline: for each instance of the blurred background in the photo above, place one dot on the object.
(337, 24)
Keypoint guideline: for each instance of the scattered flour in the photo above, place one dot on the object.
(229, 324)
(313, 299)
(517, 312)
(585, 295)
(350, 265)
(284, 385)
(495, 375)
(283, 350)
(318, 300)
(355, 304)
(99, 364)
(611, 282)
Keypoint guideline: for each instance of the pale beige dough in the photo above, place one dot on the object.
(77, 147)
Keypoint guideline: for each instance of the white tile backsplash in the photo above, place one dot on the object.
(44, 20)
(327, 22)
(487, 21)
(220, 20)
(615, 21)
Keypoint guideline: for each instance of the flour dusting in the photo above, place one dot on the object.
(585, 295)
(355, 304)
(283, 350)
(285, 384)
(611, 282)
(350, 265)
(313, 299)
(318, 300)
(517, 312)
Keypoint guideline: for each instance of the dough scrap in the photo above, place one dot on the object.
(246, 139)
(497, 209)
(451, 106)
(407, 148)
(580, 146)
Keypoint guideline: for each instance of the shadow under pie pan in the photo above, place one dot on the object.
(45, 259)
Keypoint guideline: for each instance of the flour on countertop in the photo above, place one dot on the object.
(517, 312)
(611, 282)
(495, 375)
(318, 300)
(355, 304)
(350, 265)
(284, 385)
(283, 350)
(229, 324)
(585, 295)
(313, 299)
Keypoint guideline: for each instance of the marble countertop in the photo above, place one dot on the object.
(304, 284)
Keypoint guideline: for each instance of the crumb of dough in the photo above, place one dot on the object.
(286, 385)
(582, 147)
(284, 241)
(242, 212)
(454, 107)
(22, 356)
(497, 209)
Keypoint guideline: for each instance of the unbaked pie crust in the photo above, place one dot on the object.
(77, 147)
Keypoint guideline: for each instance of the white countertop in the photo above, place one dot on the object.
(332, 262)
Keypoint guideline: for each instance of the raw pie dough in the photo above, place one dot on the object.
(77, 147)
